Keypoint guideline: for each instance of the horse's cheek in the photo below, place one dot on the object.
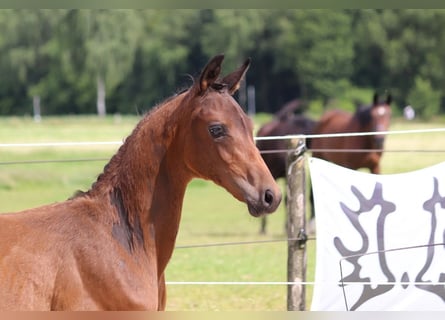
(225, 156)
(197, 157)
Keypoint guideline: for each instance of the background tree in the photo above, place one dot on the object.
(394, 47)
(111, 38)
(72, 58)
(318, 44)
(424, 99)
(27, 49)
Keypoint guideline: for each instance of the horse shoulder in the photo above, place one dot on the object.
(28, 263)
(119, 280)
(51, 261)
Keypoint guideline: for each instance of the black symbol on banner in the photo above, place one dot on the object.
(386, 208)
(366, 205)
(430, 206)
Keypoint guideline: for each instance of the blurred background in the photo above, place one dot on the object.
(66, 66)
(57, 62)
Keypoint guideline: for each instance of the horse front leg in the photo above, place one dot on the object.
(375, 169)
(263, 225)
(373, 163)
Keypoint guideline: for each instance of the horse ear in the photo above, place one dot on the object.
(388, 99)
(233, 79)
(210, 73)
(375, 99)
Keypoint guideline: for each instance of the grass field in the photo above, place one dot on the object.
(210, 214)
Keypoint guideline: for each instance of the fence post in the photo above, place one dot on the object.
(296, 221)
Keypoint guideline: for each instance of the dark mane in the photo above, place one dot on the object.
(363, 114)
(127, 230)
(166, 100)
(290, 108)
(117, 157)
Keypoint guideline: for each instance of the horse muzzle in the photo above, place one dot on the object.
(267, 202)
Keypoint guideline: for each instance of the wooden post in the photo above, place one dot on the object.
(296, 221)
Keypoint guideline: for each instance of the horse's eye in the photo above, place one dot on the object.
(217, 131)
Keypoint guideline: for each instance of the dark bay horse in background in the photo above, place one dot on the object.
(288, 120)
(285, 122)
(107, 248)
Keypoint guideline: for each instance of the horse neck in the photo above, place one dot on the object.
(150, 180)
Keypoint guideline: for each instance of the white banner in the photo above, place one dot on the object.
(380, 239)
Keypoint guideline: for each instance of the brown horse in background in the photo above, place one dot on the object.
(107, 248)
(359, 151)
(289, 120)
(364, 151)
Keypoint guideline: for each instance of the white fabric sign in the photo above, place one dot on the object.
(362, 222)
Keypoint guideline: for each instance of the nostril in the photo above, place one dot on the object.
(268, 197)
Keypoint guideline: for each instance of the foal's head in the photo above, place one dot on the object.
(376, 118)
(219, 145)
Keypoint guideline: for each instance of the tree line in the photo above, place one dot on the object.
(126, 61)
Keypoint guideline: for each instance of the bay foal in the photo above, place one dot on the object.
(107, 248)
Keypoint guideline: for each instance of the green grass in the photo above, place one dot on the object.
(29, 185)
(210, 214)
(397, 162)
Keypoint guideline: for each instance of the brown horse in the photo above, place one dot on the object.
(360, 151)
(285, 122)
(367, 149)
(107, 248)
